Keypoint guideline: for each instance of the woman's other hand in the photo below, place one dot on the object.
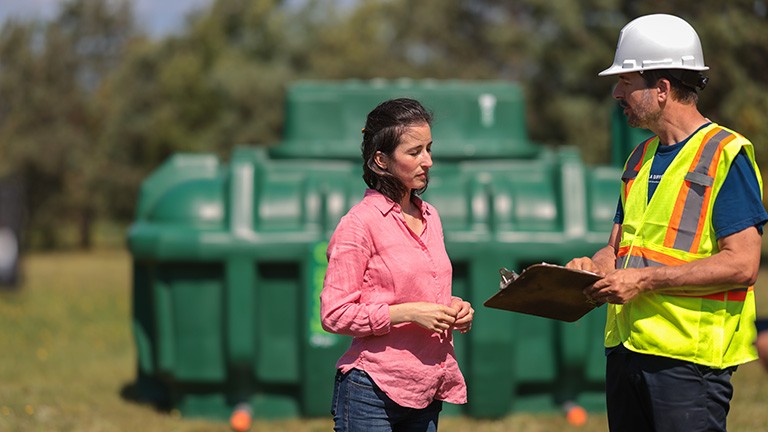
(431, 316)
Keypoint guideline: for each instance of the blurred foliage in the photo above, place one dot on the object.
(50, 76)
(90, 105)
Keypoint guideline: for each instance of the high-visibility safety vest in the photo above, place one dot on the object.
(712, 327)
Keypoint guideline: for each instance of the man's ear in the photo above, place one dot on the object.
(380, 159)
(665, 88)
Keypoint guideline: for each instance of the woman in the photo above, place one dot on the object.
(388, 285)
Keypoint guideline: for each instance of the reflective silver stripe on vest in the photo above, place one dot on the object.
(630, 172)
(636, 262)
(694, 201)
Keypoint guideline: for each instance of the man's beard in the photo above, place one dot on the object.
(640, 115)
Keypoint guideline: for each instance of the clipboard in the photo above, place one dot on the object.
(545, 290)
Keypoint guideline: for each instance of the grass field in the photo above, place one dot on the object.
(67, 360)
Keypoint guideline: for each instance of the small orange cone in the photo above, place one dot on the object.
(241, 418)
(575, 415)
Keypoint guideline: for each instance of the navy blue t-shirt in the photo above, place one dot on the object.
(738, 205)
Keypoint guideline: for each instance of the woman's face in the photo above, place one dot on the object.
(412, 158)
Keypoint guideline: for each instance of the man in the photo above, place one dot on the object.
(684, 251)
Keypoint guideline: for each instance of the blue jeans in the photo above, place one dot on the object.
(647, 393)
(360, 405)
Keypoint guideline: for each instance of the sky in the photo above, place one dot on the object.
(158, 17)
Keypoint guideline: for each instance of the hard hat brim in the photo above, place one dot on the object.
(617, 69)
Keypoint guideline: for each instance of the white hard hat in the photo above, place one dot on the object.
(657, 41)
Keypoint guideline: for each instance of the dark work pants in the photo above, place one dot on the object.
(650, 393)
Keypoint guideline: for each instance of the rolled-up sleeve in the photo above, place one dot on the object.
(340, 309)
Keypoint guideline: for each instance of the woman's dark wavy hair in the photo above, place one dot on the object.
(384, 127)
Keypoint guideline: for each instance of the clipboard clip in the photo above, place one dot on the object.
(507, 277)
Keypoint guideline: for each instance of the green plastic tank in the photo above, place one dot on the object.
(229, 257)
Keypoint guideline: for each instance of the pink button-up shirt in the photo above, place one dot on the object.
(375, 260)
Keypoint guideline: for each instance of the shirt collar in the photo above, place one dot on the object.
(386, 205)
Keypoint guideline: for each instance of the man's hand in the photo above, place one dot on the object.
(619, 286)
(762, 348)
(583, 263)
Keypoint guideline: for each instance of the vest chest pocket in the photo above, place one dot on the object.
(700, 179)
(699, 182)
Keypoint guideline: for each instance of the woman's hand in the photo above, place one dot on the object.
(431, 316)
(464, 315)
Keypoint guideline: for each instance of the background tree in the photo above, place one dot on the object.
(219, 84)
(48, 134)
(90, 106)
